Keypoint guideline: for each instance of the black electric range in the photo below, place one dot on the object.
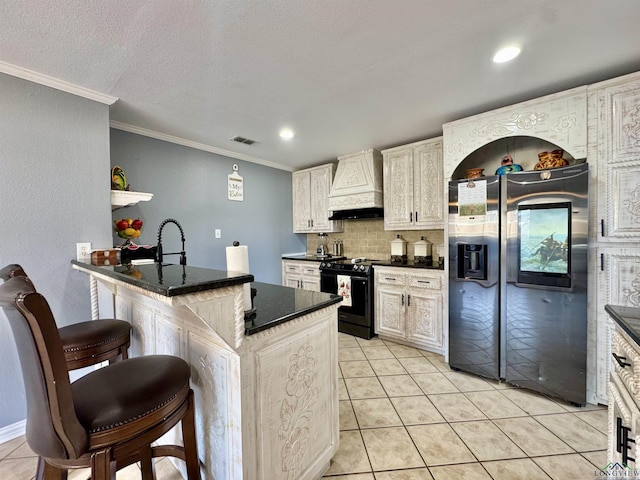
(353, 279)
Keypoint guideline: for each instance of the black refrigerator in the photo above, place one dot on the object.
(518, 279)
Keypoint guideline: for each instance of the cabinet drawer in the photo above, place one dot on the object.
(312, 270)
(391, 278)
(425, 281)
(626, 362)
(294, 268)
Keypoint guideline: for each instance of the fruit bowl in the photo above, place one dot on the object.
(128, 229)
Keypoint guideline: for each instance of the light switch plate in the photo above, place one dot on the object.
(83, 252)
(218, 233)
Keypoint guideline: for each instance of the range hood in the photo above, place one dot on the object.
(359, 213)
(356, 191)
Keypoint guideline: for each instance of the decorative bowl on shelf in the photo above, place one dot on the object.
(474, 173)
(128, 229)
(506, 169)
(551, 159)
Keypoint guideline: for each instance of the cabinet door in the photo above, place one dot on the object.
(619, 161)
(428, 186)
(623, 415)
(618, 284)
(424, 321)
(398, 189)
(390, 311)
(301, 193)
(320, 185)
(310, 283)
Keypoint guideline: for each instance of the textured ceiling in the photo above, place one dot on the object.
(346, 75)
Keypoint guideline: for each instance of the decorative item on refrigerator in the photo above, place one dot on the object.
(344, 289)
(238, 261)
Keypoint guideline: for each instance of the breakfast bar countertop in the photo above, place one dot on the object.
(168, 279)
(628, 318)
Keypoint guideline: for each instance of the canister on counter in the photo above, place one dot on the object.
(399, 250)
(422, 252)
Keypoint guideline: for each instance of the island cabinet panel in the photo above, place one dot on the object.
(296, 403)
(408, 306)
(413, 186)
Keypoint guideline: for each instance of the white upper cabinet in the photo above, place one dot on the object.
(310, 189)
(615, 115)
(413, 186)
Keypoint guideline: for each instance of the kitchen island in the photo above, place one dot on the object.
(266, 387)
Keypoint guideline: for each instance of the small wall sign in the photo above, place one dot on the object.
(235, 190)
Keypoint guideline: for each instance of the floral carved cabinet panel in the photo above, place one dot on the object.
(618, 152)
(413, 185)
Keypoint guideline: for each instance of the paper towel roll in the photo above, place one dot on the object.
(238, 261)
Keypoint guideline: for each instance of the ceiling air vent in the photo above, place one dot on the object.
(239, 139)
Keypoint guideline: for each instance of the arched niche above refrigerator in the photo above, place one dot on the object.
(559, 120)
(523, 150)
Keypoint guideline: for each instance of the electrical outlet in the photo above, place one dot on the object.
(218, 233)
(83, 252)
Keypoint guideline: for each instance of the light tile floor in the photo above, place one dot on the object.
(405, 415)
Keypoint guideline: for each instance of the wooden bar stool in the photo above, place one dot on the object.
(107, 419)
(87, 343)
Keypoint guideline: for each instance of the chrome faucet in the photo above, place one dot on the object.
(159, 252)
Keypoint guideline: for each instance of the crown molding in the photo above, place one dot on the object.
(56, 83)
(198, 146)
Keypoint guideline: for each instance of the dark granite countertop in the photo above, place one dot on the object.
(276, 304)
(311, 258)
(628, 318)
(170, 280)
(409, 264)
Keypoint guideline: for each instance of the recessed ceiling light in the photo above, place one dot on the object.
(507, 53)
(286, 134)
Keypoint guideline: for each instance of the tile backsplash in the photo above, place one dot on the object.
(368, 238)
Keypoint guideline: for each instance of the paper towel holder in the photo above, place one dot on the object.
(251, 313)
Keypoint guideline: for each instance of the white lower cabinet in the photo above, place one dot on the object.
(301, 275)
(408, 306)
(624, 415)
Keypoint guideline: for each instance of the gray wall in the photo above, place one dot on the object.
(191, 186)
(54, 165)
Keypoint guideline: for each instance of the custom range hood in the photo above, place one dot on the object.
(356, 191)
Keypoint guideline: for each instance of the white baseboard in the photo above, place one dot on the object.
(12, 431)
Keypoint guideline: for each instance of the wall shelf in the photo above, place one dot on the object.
(122, 198)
